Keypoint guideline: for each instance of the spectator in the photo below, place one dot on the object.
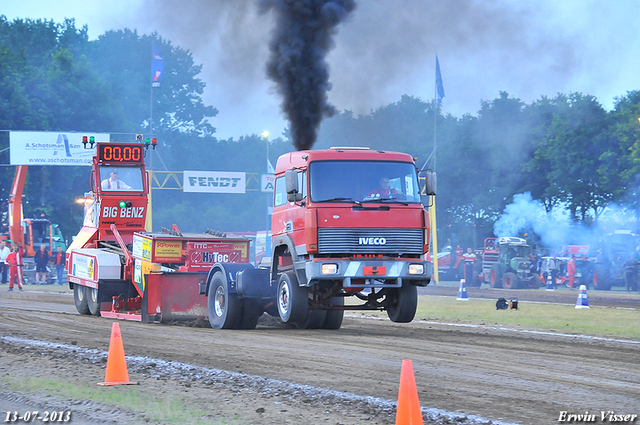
(554, 266)
(469, 260)
(571, 270)
(630, 274)
(15, 262)
(544, 269)
(59, 260)
(4, 252)
(41, 258)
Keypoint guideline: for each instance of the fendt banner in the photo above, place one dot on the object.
(51, 148)
(214, 182)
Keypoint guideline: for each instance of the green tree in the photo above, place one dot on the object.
(569, 156)
(620, 162)
(124, 59)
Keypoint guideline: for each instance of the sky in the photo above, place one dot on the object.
(387, 49)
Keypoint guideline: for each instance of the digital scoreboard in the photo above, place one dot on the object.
(121, 153)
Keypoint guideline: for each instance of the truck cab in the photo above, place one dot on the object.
(348, 222)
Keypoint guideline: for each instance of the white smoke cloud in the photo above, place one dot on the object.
(555, 228)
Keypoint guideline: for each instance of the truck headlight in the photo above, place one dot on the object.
(329, 268)
(416, 268)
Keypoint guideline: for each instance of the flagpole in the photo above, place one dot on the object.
(149, 219)
(432, 204)
(151, 97)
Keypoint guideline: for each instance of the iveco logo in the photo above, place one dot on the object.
(372, 241)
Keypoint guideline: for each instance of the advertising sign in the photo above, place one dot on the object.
(167, 251)
(203, 255)
(51, 148)
(267, 183)
(214, 182)
(141, 247)
(83, 266)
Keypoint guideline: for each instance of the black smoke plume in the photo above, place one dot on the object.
(302, 37)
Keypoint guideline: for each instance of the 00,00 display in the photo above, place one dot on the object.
(120, 153)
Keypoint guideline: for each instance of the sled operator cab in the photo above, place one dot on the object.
(119, 188)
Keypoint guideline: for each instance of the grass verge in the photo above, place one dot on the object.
(156, 408)
(603, 322)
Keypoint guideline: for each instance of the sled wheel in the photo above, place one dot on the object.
(80, 298)
(93, 301)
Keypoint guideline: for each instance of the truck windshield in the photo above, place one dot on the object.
(121, 179)
(363, 181)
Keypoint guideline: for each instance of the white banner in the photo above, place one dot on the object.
(268, 182)
(214, 182)
(51, 148)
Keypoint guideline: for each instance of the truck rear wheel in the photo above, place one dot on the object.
(80, 298)
(315, 320)
(293, 300)
(225, 309)
(510, 281)
(404, 303)
(251, 314)
(93, 301)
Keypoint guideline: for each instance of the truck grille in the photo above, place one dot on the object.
(370, 241)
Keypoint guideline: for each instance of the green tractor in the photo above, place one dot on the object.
(506, 264)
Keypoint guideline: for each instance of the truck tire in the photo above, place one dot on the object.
(93, 302)
(510, 281)
(315, 320)
(292, 299)
(404, 304)
(334, 317)
(495, 277)
(250, 314)
(225, 309)
(80, 298)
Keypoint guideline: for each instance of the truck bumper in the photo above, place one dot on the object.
(375, 274)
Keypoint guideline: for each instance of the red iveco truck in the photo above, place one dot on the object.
(347, 223)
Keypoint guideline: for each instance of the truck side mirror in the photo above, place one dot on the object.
(291, 184)
(431, 183)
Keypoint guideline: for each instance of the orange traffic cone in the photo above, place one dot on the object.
(116, 364)
(408, 411)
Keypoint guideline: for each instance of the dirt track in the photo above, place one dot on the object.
(496, 374)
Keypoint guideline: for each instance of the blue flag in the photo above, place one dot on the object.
(157, 66)
(439, 86)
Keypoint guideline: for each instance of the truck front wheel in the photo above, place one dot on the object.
(293, 300)
(334, 317)
(80, 298)
(225, 309)
(404, 302)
